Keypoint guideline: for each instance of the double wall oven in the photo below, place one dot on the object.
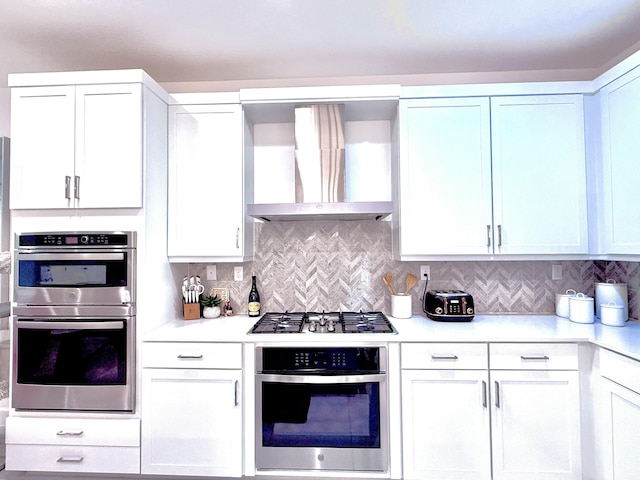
(74, 321)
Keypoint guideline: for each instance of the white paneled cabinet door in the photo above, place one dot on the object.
(206, 213)
(621, 160)
(192, 422)
(42, 147)
(446, 425)
(622, 431)
(535, 425)
(445, 176)
(108, 164)
(539, 177)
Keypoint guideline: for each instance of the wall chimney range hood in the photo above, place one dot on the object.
(286, 212)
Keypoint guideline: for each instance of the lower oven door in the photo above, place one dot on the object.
(307, 422)
(79, 363)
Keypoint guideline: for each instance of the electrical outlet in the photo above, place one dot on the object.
(237, 273)
(425, 270)
(211, 272)
(556, 272)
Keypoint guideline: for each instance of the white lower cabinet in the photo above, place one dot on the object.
(462, 420)
(82, 445)
(445, 412)
(620, 413)
(192, 409)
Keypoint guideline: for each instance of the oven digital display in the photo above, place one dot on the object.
(71, 240)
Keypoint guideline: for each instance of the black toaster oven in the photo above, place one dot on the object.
(448, 305)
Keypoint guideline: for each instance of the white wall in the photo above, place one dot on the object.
(5, 102)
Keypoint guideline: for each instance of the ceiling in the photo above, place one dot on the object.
(238, 40)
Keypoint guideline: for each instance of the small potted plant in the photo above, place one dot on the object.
(210, 306)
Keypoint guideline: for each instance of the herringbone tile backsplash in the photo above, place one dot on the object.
(339, 265)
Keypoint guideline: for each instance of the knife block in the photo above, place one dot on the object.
(191, 311)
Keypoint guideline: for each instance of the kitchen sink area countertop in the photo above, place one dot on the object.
(483, 328)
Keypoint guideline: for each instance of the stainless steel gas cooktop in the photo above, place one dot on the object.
(325, 322)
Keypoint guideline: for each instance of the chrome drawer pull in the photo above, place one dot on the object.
(70, 433)
(484, 394)
(534, 357)
(192, 357)
(444, 357)
(235, 393)
(70, 459)
(497, 390)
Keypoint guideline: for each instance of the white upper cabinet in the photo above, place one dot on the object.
(539, 175)
(620, 231)
(499, 176)
(77, 146)
(445, 176)
(207, 189)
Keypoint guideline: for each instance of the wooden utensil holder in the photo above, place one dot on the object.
(191, 311)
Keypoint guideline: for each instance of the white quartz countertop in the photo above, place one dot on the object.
(483, 328)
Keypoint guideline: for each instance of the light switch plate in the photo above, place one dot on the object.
(211, 272)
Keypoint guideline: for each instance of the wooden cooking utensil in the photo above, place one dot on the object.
(387, 279)
(410, 282)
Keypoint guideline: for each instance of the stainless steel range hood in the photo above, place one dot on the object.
(320, 211)
(320, 172)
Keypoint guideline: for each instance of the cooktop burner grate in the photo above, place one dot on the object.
(323, 322)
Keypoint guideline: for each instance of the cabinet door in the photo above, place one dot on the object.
(192, 422)
(206, 213)
(539, 179)
(621, 157)
(535, 425)
(622, 431)
(108, 163)
(445, 425)
(445, 176)
(42, 147)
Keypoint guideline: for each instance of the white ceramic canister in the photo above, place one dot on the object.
(562, 302)
(610, 291)
(581, 308)
(612, 314)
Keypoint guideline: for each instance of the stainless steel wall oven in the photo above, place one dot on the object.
(74, 322)
(322, 409)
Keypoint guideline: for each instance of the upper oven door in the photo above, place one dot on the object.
(67, 277)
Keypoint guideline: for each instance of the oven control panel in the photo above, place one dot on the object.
(319, 360)
(74, 239)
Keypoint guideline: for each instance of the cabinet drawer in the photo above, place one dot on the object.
(62, 458)
(191, 355)
(74, 431)
(533, 356)
(620, 369)
(447, 356)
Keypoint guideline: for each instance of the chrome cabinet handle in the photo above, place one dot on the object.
(238, 237)
(192, 357)
(499, 235)
(444, 357)
(70, 459)
(534, 357)
(67, 187)
(235, 394)
(488, 235)
(484, 394)
(70, 433)
(76, 187)
(497, 392)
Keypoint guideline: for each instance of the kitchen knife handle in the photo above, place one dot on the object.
(488, 236)
(76, 187)
(499, 235)
(484, 394)
(235, 393)
(497, 391)
(67, 187)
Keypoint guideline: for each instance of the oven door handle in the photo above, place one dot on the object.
(322, 379)
(63, 256)
(57, 325)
